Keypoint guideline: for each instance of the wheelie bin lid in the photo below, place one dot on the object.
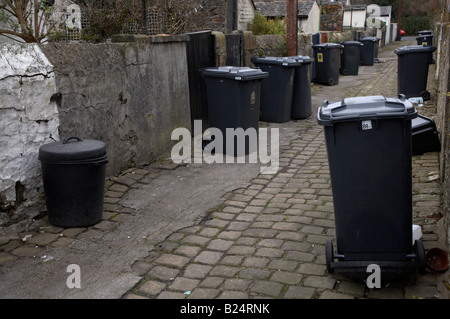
(327, 45)
(302, 58)
(351, 43)
(73, 150)
(414, 49)
(429, 32)
(282, 61)
(365, 108)
(369, 39)
(235, 73)
(424, 36)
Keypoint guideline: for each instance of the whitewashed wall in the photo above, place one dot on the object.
(28, 119)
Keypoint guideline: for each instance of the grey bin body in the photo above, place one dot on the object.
(277, 90)
(368, 143)
(73, 174)
(234, 96)
(301, 99)
(350, 56)
(413, 65)
(369, 50)
(327, 57)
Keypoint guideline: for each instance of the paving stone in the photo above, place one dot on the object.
(43, 239)
(319, 282)
(212, 282)
(286, 277)
(171, 295)
(298, 292)
(197, 271)
(208, 257)
(188, 251)
(224, 271)
(184, 284)
(163, 273)
(268, 288)
(27, 251)
(281, 264)
(236, 284)
(152, 287)
(204, 293)
(233, 295)
(220, 244)
(172, 260)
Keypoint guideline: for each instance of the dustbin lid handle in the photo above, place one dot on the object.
(71, 138)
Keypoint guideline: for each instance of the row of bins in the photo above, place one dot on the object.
(343, 58)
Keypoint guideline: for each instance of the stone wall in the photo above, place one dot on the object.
(246, 13)
(442, 40)
(131, 95)
(260, 46)
(28, 119)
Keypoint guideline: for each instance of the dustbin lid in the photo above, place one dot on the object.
(425, 32)
(72, 149)
(425, 36)
(351, 43)
(369, 39)
(302, 59)
(328, 45)
(414, 49)
(235, 73)
(365, 108)
(281, 61)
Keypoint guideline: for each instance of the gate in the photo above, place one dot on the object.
(200, 54)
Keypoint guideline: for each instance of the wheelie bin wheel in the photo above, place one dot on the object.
(330, 82)
(419, 250)
(425, 95)
(329, 256)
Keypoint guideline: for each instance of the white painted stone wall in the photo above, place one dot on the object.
(28, 119)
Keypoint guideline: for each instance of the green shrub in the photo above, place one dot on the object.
(261, 25)
(412, 25)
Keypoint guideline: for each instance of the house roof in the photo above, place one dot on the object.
(355, 7)
(385, 11)
(278, 8)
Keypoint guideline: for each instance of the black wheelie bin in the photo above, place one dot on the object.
(425, 137)
(277, 90)
(234, 95)
(426, 40)
(327, 57)
(369, 50)
(368, 142)
(301, 99)
(413, 65)
(350, 56)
